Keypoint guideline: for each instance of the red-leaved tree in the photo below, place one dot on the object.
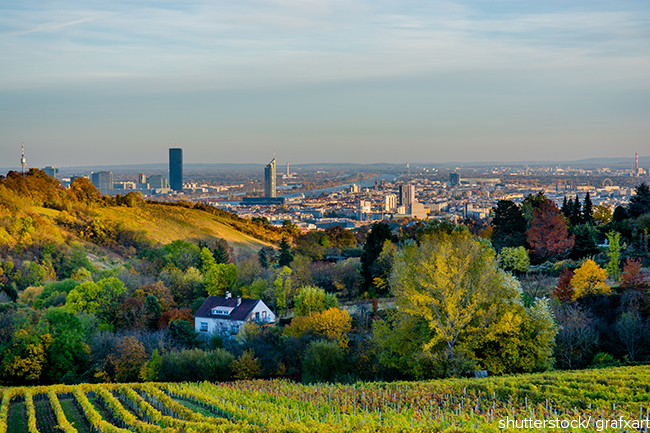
(547, 234)
(632, 277)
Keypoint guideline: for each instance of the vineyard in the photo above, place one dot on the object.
(454, 405)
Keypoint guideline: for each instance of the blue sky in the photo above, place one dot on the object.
(91, 83)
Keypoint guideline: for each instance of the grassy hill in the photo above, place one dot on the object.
(163, 224)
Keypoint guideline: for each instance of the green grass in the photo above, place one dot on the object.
(73, 416)
(17, 418)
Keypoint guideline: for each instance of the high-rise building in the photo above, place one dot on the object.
(142, 178)
(390, 202)
(269, 180)
(454, 179)
(406, 195)
(157, 181)
(23, 161)
(103, 181)
(51, 171)
(176, 168)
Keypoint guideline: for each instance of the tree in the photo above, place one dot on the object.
(453, 282)
(152, 368)
(632, 331)
(130, 359)
(67, 353)
(222, 251)
(322, 362)
(247, 366)
(564, 291)
(99, 298)
(221, 278)
(333, 324)
(312, 299)
(282, 288)
(614, 254)
(263, 258)
(547, 234)
(286, 255)
(602, 215)
(576, 338)
(584, 241)
(521, 340)
(514, 259)
(532, 202)
(640, 202)
(182, 333)
(587, 211)
(589, 279)
(576, 217)
(632, 277)
(509, 225)
(379, 233)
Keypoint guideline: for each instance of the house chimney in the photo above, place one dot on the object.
(238, 301)
(228, 295)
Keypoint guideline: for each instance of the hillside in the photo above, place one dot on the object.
(164, 224)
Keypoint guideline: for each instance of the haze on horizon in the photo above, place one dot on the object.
(323, 81)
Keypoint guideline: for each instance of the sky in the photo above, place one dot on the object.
(364, 81)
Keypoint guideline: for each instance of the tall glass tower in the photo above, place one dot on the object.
(269, 179)
(176, 168)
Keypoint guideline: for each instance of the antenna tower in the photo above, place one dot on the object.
(23, 161)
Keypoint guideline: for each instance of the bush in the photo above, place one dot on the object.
(322, 362)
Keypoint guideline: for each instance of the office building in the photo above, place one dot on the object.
(175, 169)
(51, 171)
(406, 195)
(157, 182)
(103, 181)
(269, 180)
(454, 179)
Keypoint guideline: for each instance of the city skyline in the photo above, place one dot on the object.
(353, 81)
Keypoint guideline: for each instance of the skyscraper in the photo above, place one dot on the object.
(176, 168)
(51, 171)
(103, 181)
(269, 180)
(454, 179)
(406, 195)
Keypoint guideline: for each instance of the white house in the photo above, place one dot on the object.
(226, 315)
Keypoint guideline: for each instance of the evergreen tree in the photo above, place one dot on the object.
(221, 251)
(640, 202)
(263, 258)
(587, 211)
(509, 225)
(620, 214)
(379, 233)
(576, 217)
(286, 255)
(565, 207)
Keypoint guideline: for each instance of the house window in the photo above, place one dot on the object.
(204, 326)
(263, 314)
(257, 316)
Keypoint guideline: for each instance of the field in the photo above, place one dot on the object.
(587, 398)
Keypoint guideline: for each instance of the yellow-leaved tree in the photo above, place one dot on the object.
(589, 279)
(333, 324)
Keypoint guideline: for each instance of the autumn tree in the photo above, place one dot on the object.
(129, 360)
(632, 330)
(632, 277)
(452, 281)
(333, 324)
(547, 234)
(589, 279)
(220, 278)
(564, 291)
(577, 336)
